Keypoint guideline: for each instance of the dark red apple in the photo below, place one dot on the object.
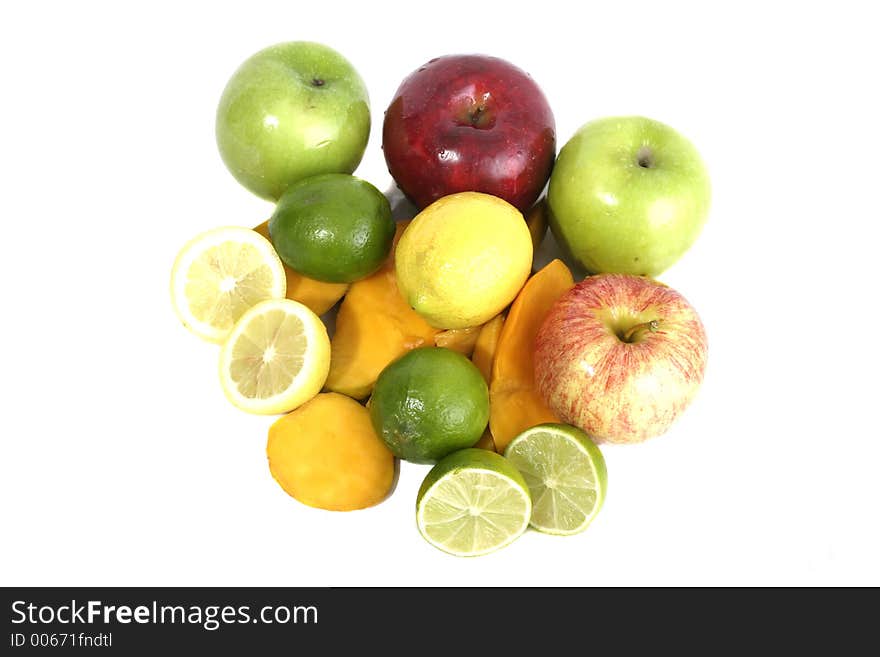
(620, 356)
(470, 123)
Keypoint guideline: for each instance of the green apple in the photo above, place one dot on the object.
(291, 111)
(628, 195)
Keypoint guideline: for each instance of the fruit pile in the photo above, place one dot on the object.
(448, 349)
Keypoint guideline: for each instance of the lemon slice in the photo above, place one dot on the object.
(221, 273)
(566, 475)
(276, 358)
(472, 502)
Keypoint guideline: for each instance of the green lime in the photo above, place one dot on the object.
(428, 403)
(333, 227)
(566, 475)
(473, 502)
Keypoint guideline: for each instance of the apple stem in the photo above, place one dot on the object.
(635, 333)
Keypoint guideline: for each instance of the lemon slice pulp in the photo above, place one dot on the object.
(221, 273)
(276, 358)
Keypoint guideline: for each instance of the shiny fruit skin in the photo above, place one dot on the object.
(470, 123)
(463, 259)
(429, 403)
(291, 111)
(334, 228)
(628, 195)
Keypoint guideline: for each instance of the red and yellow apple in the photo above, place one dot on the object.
(620, 356)
(470, 123)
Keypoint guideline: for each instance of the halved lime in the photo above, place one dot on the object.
(473, 502)
(565, 473)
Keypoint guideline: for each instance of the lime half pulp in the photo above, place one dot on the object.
(473, 502)
(565, 473)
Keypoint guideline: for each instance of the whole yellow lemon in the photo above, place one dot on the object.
(463, 259)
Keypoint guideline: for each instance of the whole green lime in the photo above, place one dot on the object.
(333, 227)
(429, 403)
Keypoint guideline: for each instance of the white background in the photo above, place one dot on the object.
(123, 464)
